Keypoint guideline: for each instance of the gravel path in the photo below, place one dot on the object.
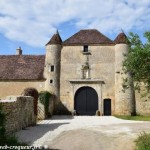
(84, 133)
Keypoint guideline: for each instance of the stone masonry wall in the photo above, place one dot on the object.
(142, 103)
(17, 87)
(53, 59)
(124, 99)
(101, 62)
(19, 112)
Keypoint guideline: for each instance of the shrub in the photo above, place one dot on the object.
(143, 141)
(34, 93)
(11, 141)
(2, 123)
(44, 98)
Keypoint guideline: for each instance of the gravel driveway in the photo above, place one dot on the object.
(84, 133)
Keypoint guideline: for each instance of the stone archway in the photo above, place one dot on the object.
(86, 101)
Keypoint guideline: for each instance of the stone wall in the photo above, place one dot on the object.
(19, 112)
(17, 87)
(101, 63)
(142, 103)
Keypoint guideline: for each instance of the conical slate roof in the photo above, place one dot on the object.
(56, 39)
(90, 36)
(121, 38)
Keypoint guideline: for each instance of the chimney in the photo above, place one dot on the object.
(19, 51)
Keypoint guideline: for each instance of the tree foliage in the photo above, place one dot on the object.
(137, 61)
(2, 125)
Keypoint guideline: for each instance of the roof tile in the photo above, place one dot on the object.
(121, 38)
(90, 36)
(22, 67)
(56, 39)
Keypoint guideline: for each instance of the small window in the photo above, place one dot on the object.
(51, 81)
(52, 68)
(85, 48)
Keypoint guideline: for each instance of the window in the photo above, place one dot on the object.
(51, 81)
(85, 48)
(52, 68)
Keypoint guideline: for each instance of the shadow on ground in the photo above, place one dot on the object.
(31, 134)
(62, 117)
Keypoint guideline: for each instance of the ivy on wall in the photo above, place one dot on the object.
(44, 98)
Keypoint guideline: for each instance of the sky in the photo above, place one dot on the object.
(29, 24)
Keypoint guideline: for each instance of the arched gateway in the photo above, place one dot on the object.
(86, 101)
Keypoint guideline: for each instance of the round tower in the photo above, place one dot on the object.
(124, 91)
(52, 65)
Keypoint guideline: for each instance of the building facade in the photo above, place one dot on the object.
(84, 73)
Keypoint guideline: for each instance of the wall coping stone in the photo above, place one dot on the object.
(96, 81)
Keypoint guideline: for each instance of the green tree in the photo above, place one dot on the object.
(137, 61)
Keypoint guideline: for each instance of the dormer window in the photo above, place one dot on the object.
(85, 48)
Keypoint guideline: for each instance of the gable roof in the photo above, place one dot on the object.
(89, 36)
(121, 38)
(22, 67)
(56, 39)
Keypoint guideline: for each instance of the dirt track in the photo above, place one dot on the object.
(92, 140)
(85, 133)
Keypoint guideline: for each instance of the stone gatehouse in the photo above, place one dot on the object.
(84, 73)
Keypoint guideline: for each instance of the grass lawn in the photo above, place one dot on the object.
(138, 118)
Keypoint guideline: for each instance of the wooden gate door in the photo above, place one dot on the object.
(86, 101)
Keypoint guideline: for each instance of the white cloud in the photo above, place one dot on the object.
(33, 22)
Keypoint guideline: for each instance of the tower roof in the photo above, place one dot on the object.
(56, 39)
(89, 36)
(121, 38)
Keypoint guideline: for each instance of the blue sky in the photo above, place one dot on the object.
(30, 24)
